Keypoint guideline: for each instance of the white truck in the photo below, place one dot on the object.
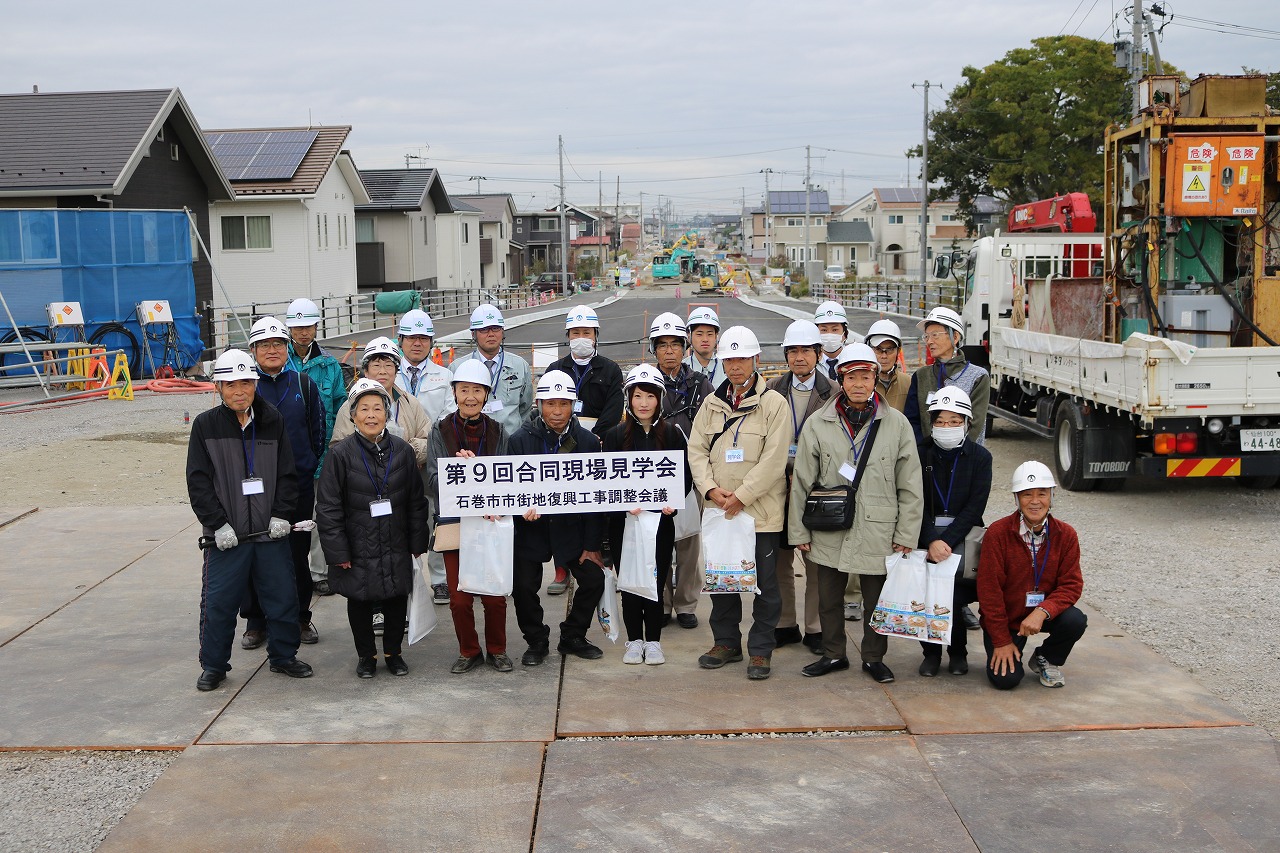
(1183, 404)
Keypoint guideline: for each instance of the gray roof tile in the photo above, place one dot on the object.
(848, 232)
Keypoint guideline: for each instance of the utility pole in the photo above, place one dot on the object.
(564, 231)
(617, 218)
(600, 222)
(767, 214)
(924, 185)
(807, 192)
(843, 197)
(1135, 58)
(641, 244)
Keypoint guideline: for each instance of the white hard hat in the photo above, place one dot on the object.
(555, 385)
(644, 374)
(949, 398)
(1032, 475)
(943, 317)
(266, 329)
(884, 329)
(417, 322)
(485, 316)
(667, 324)
(830, 312)
(702, 316)
(581, 317)
(737, 342)
(234, 364)
(472, 370)
(302, 312)
(366, 386)
(801, 333)
(860, 356)
(380, 346)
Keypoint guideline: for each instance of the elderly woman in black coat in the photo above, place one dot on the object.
(372, 513)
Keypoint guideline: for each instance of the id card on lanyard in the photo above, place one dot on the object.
(736, 453)
(380, 506)
(1035, 597)
(250, 485)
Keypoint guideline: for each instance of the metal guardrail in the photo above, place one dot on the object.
(909, 298)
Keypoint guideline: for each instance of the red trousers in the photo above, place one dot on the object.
(462, 606)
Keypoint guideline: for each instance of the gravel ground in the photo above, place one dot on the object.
(1189, 568)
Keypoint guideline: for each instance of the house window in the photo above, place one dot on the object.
(466, 232)
(326, 230)
(817, 220)
(549, 223)
(895, 219)
(317, 230)
(426, 233)
(173, 151)
(502, 230)
(950, 217)
(853, 254)
(502, 269)
(795, 223)
(246, 232)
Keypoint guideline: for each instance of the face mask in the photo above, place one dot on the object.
(949, 438)
(831, 343)
(582, 347)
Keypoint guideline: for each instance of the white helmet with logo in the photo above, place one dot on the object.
(830, 312)
(485, 316)
(302, 312)
(667, 324)
(702, 316)
(266, 329)
(856, 357)
(417, 322)
(366, 386)
(555, 385)
(943, 317)
(882, 330)
(949, 398)
(801, 333)
(645, 375)
(472, 370)
(380, 346)
(738, 342)
(234, 364)
(1032, 475)
(581, 317)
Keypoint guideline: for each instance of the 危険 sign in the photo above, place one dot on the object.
(560, 483)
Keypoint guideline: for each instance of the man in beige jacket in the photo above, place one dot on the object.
(738, 457)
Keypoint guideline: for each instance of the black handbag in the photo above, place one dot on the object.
(831, 507)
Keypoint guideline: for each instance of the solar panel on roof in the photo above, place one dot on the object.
(255, 155)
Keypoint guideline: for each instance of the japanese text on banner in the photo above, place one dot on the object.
(562, 483)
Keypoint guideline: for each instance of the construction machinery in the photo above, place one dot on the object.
(1070, 213)
(714, 278)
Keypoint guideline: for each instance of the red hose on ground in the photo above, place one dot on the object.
(176, 386)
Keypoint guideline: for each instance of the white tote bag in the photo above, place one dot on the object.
(422, 609)
(608, 614)
(486, 555)
(688, 521)
(638, 562)
(728, 552)
(915, 603)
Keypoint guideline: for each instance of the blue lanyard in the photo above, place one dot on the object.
(946, 502)
(462, 434)
(848, 432)
(285, 392)
(496, 370)
(580, 378)
(794, 422)
(391, 452)
(547, 448)
(248, 452)
(1038, 567)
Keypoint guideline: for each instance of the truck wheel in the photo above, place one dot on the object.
(1068, 453)
(1258, 481)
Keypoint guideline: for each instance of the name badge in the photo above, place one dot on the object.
(577, 407)
(848, 472)
(943, 521)
(492, 407)
(734, 454)
(380, 508)
(791, 451)
(251, 486)
(1035, 599)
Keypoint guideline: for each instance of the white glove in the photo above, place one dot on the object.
(278, 528)
(225, 538)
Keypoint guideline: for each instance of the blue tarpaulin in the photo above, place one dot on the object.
(108, 261)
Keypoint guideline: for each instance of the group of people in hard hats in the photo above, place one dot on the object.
(902, 454)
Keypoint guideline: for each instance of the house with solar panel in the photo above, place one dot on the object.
(290, 230)
(786, 235)
(893, 216)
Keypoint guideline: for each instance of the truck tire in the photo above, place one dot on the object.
(1068, 452)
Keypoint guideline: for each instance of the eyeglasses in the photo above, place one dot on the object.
(272, 345)
(668, 345)
(937, 336)
(887, 350)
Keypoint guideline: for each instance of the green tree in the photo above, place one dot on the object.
(1028, 126)
(1273, 85)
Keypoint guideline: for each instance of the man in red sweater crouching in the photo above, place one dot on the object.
(1029, 582)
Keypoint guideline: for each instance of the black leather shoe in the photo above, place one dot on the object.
(579, 646)
(253, 639)
(535, 655)
(396, 665)
(209, 680)
(466, 664)
(929, 666)
(293, 668)
(958, 665)
(666, 619)
(687, 620)
(970, 618)
(878, 671)
(823, 665)
(785, 636)
(813, 642)
(367, 667)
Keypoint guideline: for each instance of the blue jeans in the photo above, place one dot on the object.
(268, 567)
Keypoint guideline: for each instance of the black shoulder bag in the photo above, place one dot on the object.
(831, 507)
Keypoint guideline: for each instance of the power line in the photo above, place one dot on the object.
(1069, 17)
(1085, 18)
(1226, 24)
(1275, 37)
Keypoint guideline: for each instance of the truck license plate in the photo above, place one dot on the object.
(1260, 439)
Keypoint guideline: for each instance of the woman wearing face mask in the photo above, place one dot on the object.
(957, 482)
(407, 419)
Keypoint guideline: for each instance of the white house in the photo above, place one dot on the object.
(290, 231)
(501, 263)
(397, 237)
(458, 248)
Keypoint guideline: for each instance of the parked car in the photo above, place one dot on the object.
(835, 272)
(549, 282)
(881, 302)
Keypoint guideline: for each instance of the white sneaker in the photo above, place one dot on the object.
(635, 652)
(653, 654)
(378, 621)
(1050, 675)
(852, 611)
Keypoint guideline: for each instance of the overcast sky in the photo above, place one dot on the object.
(688, 100)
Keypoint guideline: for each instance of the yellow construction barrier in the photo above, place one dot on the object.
(120, 376)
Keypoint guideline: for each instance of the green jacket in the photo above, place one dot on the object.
(326, 372)
(890, 501)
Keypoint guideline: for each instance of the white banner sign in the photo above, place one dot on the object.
(562, 483)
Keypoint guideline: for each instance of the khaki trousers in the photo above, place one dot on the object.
(787, 567)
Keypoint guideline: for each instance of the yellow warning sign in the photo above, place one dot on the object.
(1195, 182)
